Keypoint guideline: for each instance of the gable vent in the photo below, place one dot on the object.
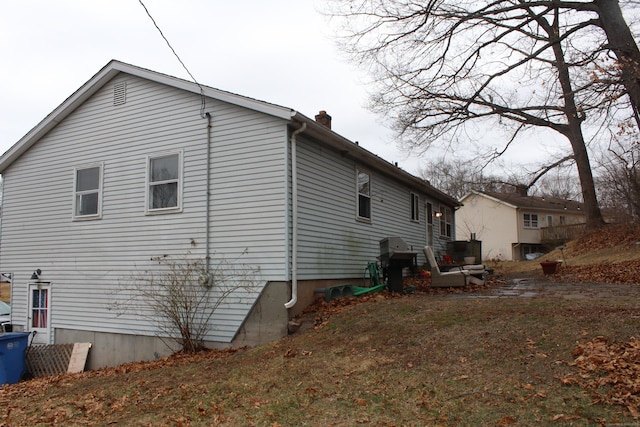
(119, 93)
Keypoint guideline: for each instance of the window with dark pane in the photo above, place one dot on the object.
(163, 181)
(87, 191)
(364, 195)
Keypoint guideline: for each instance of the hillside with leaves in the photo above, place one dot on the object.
(432, 357)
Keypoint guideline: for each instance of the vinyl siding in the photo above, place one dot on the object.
(494, 223)
(333, 243)
(86, 261)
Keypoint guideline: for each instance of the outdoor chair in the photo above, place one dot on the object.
(452, 278)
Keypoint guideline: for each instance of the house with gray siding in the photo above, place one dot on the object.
(136, 165)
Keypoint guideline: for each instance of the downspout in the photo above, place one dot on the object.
(294, 218)
(208, 196)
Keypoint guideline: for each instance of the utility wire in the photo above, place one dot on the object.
(202, 97)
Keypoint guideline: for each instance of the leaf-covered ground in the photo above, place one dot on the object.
(610, 366)
(411, 360)
(433, 357)
(619, 262)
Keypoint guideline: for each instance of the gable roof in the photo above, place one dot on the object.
(101, 78)
(314, 129)
(518, 201)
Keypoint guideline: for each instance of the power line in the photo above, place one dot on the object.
(202, 106)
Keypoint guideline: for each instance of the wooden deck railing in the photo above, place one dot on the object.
(560, 233)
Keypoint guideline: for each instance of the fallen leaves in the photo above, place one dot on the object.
(613, 367)
(563, 417)
(607, 237)
(625, 272)
(624, 237)
(507, 421)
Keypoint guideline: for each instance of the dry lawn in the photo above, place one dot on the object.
(413, 360)
(429, 358)
(610, 255)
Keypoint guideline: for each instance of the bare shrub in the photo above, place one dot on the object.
(181, 295)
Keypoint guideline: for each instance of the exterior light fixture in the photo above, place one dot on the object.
(438, 214)
(36, 274)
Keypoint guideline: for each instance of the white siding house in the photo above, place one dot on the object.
(512, 225)
(137, 164)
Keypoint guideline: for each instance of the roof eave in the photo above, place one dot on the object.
(494, 199)
(322, 133)
(355, 151)
(57, 115)
(107, 73)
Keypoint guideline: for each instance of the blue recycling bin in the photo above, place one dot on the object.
(13, 355)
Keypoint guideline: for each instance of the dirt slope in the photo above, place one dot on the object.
(607, 255)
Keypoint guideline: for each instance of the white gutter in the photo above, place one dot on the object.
(294, 220)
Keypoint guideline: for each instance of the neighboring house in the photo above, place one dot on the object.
(512, 225)
(137, 164)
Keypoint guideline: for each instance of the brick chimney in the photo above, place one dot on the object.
(324, 119)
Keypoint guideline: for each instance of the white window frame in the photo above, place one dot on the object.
(446, 222)
(429, 215)
(415, 207)
(529, 221)
(178, 181)
(367, 196)
(76, 193)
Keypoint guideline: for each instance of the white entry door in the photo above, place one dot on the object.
(40, 312)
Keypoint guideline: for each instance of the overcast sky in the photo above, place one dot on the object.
(279, 51)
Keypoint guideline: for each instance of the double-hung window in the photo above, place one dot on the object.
(415, 207)
(429, 221)
(164, 183)
(87, 198)
(446, 222)
(530, 220)
(364, 195)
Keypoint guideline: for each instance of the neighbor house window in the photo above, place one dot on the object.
(415, 207)
(446, 222)
(87, 200)
(164, 177)
(364, 195)
(530, 220)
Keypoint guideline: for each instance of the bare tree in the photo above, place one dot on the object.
(618, 174)
(561, 183)
(445, 69)
(622, 44)
(458, 177)
(181, 295)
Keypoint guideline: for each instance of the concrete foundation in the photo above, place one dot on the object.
(306, 291)
(268, 318)
(110, 349)
(267, 322)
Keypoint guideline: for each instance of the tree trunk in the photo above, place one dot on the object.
(592, 210)
(623, 45)
(573, 131)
